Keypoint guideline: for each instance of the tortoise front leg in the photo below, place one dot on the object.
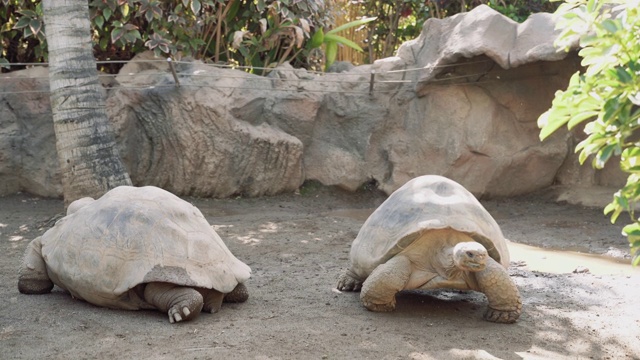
(179, 302)
(348, 281)
(380, 288)
(34, 278)
(505, 303)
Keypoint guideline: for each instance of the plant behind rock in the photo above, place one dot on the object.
(606, 95)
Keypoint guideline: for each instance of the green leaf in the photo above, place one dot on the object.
(632, 230)
(164, 48)
(195, 7)
(116, 34)
(589, 40)
(580, 117)
(623, 75)
(99, 20)
(106, 12)
(550, 121)
(604, 155)
(148, 15)
(331, 52)
(611, 107)
(631, 152)
(233, 11)
(622, 202)
(132, 36)
(341, 40)
(317, 39)
(28, 13)
(22, 23)
(35, 26)
(630, 160)
(610, 25)
(350, 25)
(616, 212)
(104, 42)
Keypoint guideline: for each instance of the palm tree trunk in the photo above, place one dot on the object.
(87, 151)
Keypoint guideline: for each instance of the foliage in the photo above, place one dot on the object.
(277, 36)
(606, 94)
(271, 31)
(519, 10)
(241, 32)
(331, 39)
(402, 20)
(22, 37)
(397, 21)
(258, 33)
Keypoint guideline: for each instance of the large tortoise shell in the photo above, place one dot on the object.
(132, 235)
(422, 204)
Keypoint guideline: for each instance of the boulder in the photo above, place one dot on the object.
(461, 100)
(189, 141)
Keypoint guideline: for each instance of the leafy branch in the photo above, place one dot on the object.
(606, 95)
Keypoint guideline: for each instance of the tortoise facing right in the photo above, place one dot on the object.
(432, 233)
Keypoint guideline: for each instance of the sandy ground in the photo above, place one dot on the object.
(297, 245)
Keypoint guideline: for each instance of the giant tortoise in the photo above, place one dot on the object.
(432, 233)
(136, 248)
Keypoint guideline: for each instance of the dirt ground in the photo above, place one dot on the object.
(297, 245)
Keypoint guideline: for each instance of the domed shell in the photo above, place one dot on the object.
(422, 204)
(134, 235)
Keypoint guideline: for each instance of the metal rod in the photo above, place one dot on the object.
(173, 71)
(373, 78)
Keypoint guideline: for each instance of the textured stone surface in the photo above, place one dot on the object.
(28, 160)
(187, 141)
(461, 100)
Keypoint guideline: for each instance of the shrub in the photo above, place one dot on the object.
(606, 95)
(271, 32)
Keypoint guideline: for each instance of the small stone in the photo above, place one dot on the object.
(581, 270)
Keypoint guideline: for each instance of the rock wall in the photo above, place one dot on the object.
(461, 100)
(185, 141)
(28, 159)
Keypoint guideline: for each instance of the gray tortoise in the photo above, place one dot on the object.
(136, 248)
(432, 233)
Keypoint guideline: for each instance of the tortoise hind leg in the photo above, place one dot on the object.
(179, 302)
(380, 289)
(237, 295)
(505, 303)
(33, 277)
(213, 298)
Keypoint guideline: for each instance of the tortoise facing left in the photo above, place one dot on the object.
(136, 248)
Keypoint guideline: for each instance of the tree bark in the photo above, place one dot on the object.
(87, 151)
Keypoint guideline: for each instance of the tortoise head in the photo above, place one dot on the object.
(470, 256)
